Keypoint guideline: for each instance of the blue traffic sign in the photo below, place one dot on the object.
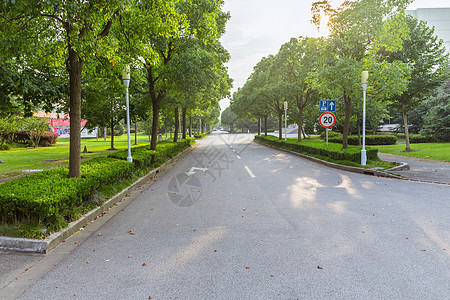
(327, 105)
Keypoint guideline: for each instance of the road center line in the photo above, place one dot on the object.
(250, 172)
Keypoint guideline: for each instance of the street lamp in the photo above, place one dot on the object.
(364, 82)
(285, 120)
(126, 81)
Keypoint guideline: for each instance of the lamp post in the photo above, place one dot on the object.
(285, 120)
(126, 81)
(364, 82)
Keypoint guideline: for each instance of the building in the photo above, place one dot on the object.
(439, 18)
(60, 124)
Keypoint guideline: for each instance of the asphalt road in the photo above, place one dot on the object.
(251, 222)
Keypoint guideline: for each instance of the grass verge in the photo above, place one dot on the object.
(432, 151)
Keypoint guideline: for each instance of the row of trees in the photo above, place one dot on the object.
(406, 62)
(77, 50)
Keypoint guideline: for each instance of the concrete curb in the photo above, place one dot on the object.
(44, 246)
(337, 166)
(403, 167)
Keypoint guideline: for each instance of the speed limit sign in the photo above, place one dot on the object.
(327, 120)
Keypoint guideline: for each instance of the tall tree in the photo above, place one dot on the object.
(425, 53)
(63, 32)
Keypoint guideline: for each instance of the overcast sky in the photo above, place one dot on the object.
(258, 28)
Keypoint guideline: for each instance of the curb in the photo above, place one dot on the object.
(403, 167)
(337, 166)
(51, 242)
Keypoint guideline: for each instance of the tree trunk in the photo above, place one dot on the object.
(190, 126)
(74, 66)
(259, 126)
(177, 125)
(348, 107)
(405, 124)
(265, 125)
(280, 125)
(112, 137)
(183, 121)
(135, 133)
(300, 122)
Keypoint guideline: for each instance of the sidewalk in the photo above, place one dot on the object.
(421, 169)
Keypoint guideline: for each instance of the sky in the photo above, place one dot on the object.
(258, 28)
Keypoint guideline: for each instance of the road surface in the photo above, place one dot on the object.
(237, 220)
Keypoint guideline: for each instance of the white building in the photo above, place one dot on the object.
(439, 18)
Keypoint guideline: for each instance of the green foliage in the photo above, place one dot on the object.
(202, 135)
(419, 138)
(51, 199)
(370, 139)
(333, 150)
(437, 120)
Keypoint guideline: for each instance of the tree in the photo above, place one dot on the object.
(62, 32)
(228, 118)
(298, 60)
(425, 54)
(437, 120)
(183, 22)
(359, 29)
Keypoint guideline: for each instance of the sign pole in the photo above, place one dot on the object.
(326, 130)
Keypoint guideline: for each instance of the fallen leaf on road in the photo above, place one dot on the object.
(131, 232)
(215, 250)
(115, 275)
(248, 268)
(129, 256)
(243, 209)
(26, 269)
(74, 295)
(69, 266)
(272, 275)
(423, 250)
(406, 238)
(17, 278)
(144, 264)
(319, 267)
(107, 260)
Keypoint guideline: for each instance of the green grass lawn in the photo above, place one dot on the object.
(19, 159)
(433, 151)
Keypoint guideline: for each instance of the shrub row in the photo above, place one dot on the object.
(202, 135)
(418, 138)
(333, 150)
(46, 140)
(47, 195)
(42, 196)
(370, 139)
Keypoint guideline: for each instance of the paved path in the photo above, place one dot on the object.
(420, 169)
(261, 224)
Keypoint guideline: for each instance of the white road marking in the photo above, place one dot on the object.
(250, 172)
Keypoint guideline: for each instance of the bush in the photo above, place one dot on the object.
(51, 199)
(331, 134)
(43, 196)
(417, 138)
(46, 140)
(202, 135)
(370, 140)
(333, 150)
(4, 147)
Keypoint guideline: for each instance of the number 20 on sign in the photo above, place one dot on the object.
(327, 120)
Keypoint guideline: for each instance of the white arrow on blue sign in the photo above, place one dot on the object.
(327, 105)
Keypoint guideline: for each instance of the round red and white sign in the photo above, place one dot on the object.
(327, 120)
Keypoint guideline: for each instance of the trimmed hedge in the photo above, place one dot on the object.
(370, 140)
(333, 150)
(202, 135)
(418, 138)
(45, 196)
